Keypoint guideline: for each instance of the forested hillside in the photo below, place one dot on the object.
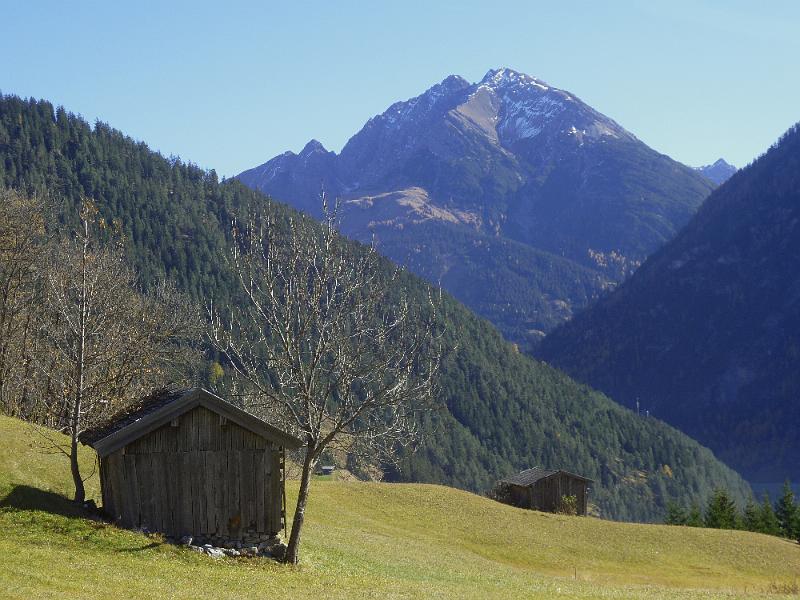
(501, 411)
(707, 333)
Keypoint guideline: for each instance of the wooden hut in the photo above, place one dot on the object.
(543, 489)
(189, 463)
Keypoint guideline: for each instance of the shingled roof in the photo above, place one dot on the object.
(130, 414)
(531, 476)
(163, 405)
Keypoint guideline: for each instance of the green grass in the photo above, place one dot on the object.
(368, 540)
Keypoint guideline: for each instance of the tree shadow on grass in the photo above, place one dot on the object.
(149, 546)
(25, 497)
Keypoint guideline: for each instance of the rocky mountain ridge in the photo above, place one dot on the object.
(509, 164)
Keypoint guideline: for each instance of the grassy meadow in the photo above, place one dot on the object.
(368, 540)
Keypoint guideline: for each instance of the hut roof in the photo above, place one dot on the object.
(162, 406)
(130, 414)
(531, 476)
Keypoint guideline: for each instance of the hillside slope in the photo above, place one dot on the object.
(473, 177)
(706, 334)
(500, 411)
(368, 540)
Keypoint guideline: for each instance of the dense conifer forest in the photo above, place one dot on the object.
(780, 519)
(500, 410)
(705, 333)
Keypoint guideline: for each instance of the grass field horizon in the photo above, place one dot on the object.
(372, 540)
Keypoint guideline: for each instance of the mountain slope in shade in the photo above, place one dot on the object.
(706, 334)
(509, 165)
(719, 172)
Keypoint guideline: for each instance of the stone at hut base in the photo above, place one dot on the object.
(276, 551)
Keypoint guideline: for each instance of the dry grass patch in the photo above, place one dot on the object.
(367, 540)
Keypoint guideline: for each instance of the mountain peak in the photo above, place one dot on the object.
(414, 110)
(514, 162)
(448, 85)
(529, 106)
(454, 81)
(719, 172)
(505, 77)
(312, 147)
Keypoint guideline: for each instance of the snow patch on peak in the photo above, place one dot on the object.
(270, 169)
(416, 108)
(455, 82)
(505, 77)
(527, 104)
(524, 118)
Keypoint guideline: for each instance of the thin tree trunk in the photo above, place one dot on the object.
(75, 421)
(293, 550)
(4, 351)
(24, 410)
(74, 427)
(80, 491)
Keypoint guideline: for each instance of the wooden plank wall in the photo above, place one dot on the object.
(205, 476)
(546, 494)
(520, 496)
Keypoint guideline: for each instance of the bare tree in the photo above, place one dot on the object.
(21, 245)
(322, 339)
(104, 343)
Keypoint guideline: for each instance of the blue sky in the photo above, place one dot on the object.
(228, 85)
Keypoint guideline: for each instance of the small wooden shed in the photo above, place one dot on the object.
(543, 489)
(186, 462)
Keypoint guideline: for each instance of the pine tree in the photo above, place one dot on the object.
(676, 515)
(752, 520)
(695, 517)
(721, 511)
(796, 534)
(787, 512)
(769, 521)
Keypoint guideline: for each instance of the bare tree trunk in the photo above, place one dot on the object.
(75, 429)
(25, 403)
(293, 550)
(75, 421)
(5, 341)
(80, 491)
